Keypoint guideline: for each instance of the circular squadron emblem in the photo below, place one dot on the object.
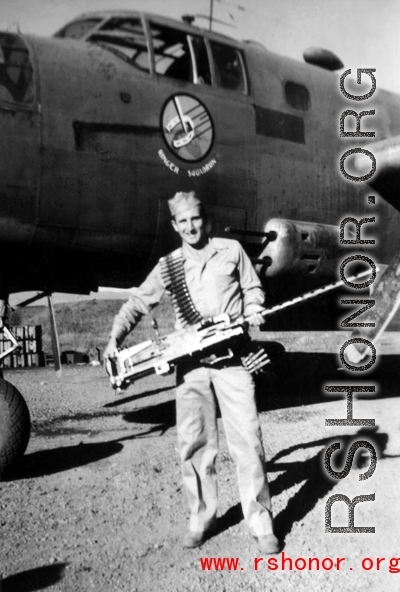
(187, 127)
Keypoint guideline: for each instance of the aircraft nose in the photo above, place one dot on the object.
(20, 134)
(16, 70)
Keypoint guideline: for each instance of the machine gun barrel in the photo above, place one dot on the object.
(311, 294)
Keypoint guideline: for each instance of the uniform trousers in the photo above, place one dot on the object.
(233, 386)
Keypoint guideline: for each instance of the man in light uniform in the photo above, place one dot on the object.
(220, 279)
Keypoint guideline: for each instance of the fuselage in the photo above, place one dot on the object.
(99, 131)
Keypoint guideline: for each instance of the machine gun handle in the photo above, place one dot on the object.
(110, 366)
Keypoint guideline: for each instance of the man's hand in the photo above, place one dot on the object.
(256, 319)
(353, 355)
(111, 348)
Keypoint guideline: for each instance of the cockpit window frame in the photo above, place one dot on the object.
(190, 37)
(181, 29)
(102, 31)
(100, 21)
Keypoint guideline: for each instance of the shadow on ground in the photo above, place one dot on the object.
(57, 460)
(131, 398)
(295, 379)
(162, 414)
(317, 484)
(34, 579)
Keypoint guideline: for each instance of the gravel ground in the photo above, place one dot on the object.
(96, 504)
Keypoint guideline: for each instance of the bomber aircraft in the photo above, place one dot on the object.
(103, 122)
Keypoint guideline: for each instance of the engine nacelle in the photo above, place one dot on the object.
(301, 248)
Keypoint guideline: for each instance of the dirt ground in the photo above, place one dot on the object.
(96, 504)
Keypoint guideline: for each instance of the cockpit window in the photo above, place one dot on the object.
(126, 38)
(179, 55)
(229, 67)
(16, 72)
(78, 29)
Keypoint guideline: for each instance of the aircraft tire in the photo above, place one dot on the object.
(15, 425)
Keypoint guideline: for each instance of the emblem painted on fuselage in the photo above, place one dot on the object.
(187, 127)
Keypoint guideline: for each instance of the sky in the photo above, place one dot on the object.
(363, 33)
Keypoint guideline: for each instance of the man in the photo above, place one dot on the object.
(220, 279)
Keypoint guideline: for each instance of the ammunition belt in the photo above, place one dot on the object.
(173, 276)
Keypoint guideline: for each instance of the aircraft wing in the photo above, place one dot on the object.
(386, 179)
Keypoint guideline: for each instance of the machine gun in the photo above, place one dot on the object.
(197, 342)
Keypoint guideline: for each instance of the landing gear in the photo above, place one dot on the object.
(15, 422)
(15, 425)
